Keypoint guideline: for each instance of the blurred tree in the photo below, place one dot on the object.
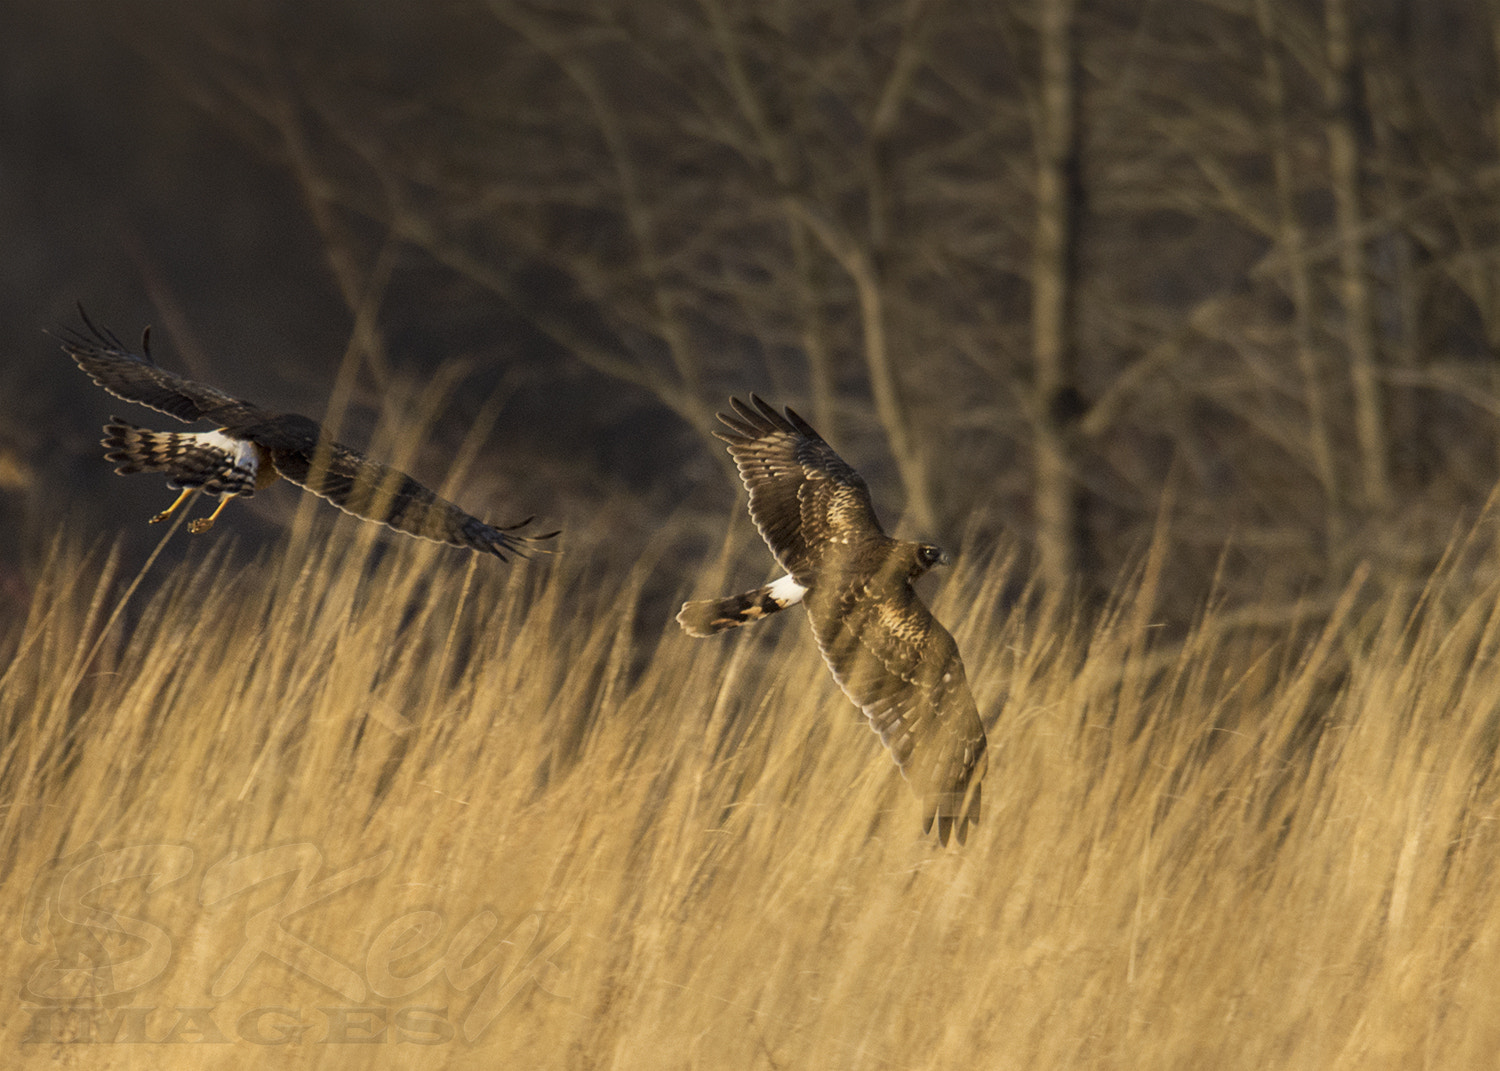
(1291, 241)
(1347, 185)
(1021, 262)
(1055, 408)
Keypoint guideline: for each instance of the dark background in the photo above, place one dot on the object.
(612, 217)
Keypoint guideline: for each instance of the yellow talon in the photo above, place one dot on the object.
(203, 524)
(164, 514)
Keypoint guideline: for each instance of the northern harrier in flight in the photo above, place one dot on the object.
(886, 650)
(254, 446)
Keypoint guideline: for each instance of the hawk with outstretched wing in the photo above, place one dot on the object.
(252, 447)
(886, 650)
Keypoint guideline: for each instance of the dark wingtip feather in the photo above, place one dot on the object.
(768, 411)
(745, 421)
(739, 432)
(101, 334)
(766, 408)
(758, 418)
(95, 340)
(968, 817)
(508, 541)
(525, 546)
(84, 316)
(799, 424)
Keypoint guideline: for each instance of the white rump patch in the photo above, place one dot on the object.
(241, 452)
(786, 592)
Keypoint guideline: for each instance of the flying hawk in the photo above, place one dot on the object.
(252, 447)
(886, 650)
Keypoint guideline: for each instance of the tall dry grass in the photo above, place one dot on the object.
(493, 817)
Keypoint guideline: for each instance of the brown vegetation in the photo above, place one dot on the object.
(528, 832)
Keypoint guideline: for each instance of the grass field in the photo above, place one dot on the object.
(389, 805)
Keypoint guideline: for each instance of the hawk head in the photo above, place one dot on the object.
(926, 556)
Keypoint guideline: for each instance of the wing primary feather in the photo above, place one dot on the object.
(743, 432)
(101, 335)
(746, 411)
(802, 426)
(778, 421)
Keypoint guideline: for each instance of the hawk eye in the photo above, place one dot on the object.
(931, 555)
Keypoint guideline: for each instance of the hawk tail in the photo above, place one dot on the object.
(711, 616)
(207, 460)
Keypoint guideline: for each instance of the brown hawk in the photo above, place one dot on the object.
(886, 650)
(252, 447)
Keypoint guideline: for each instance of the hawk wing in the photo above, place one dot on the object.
(804, 498)
(137, 378)
(376, 492)
(900, 666)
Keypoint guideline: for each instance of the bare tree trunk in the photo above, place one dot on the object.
(1390, 92)
(1489, 302)
(1292, 239)
(1057, 504)
(1343, 153)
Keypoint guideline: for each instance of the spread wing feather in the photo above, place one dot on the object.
(137, 378)
(804, 498)
(377, 492)
(900, 666)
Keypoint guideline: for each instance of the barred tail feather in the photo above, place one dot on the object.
(710, 616)
(136, 449)
(208, 460)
